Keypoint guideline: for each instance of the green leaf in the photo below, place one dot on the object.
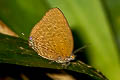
(22, 15)
(88, 19)
(16, 51)
(113, 9)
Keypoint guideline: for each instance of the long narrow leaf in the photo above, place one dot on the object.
(16, 51)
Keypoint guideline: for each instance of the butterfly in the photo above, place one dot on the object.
(52, 38)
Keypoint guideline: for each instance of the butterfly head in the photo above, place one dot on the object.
(68, 59)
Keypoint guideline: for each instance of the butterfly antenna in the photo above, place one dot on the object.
(79, 49)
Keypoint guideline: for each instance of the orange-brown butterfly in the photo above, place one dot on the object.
(51, 38)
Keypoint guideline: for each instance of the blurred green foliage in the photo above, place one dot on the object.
(96, 22)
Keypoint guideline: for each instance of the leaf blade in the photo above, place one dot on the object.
(16, 51)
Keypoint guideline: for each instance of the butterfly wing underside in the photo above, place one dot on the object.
(52, 37)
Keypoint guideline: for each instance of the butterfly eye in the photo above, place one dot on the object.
(72, 57)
